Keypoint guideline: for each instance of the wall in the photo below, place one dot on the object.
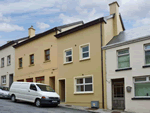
(137, 58)
(6, 70)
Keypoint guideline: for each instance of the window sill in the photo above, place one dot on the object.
(68, 63)
(20, 68)
(47, 61)
(4, 83)
(146, 66)
(85, 59)
(82, 93)
(8, 64)
(141, 98)
(31, 65)
(123, 69)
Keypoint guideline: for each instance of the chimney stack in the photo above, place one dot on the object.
(114, 9)
(31, 31)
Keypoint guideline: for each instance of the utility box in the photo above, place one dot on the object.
(95, 104)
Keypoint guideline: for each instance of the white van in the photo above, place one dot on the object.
(37, 93)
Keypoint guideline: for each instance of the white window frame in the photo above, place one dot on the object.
(122, 55)
(2, 78)
(64, 54)
(9, 60)
(80, 49)
(83, 77)
(147, 81)
(2, 62)
(145, 54)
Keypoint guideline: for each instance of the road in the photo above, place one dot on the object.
(6, 106)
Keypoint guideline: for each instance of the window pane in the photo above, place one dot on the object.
(68, 53)
(47, 52)
(88, 88)
(123, 61)
(85, 55)
(123, 51)
(147, 46)
(147, 57)
(88, 80)
(142, 89)
(69, 59)
(80, 88)
(80, 81)
(86, 48)
(140, 79)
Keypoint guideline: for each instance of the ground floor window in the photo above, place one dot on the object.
(3, 78)
(29, 80)
(84, 84)
(142, 86)
(21, 80)
(40, 79)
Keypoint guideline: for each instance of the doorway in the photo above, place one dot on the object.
(52, 82)
(62, 90)
(118, 94)
(10, 79)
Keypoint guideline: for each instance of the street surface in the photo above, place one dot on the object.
(6, 106)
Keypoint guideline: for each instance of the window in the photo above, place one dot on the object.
(84, 84)
(20, 62)
(142, 86)
(147, 54)
(31, 59)
(22, 80)
(123, 58)
(8, 60)
(33, 87)
(2, 62)
(84, 51)
(47, 54)
(40, 79)
(68, 56)
(4, 79)
(29, 80)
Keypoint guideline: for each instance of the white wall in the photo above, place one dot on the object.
(6, 70)
(137, 60)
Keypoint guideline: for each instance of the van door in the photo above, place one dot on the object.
(32, 92)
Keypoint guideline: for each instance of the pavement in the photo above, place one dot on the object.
(91, 110)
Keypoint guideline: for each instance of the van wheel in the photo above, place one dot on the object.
(38, 102)
(13, 98)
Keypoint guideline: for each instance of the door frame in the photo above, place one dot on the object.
(65, 87)
(112, 81)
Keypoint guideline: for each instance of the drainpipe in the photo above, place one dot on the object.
(102, 65)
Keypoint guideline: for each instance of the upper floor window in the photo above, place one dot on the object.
(147, 54)
(142, 86)
(84, 51)
(47, 54)
(20, 62)
(123, 58)
(8, 60)
(3, 79)
(68, 56)
(32, 59)
(2, 62)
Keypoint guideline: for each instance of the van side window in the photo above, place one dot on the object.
(33, 87)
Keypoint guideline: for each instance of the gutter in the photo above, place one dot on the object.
(102, 73)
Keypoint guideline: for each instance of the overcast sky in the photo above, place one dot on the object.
(16, 16)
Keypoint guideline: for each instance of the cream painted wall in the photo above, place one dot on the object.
(6, 70)
(40, 67)
(77, 68)
(137, 58)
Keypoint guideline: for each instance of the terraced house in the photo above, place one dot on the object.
(70, 58)
(7, 63)
(81, 61)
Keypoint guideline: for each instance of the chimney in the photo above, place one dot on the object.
(114, 9)
(31, 31)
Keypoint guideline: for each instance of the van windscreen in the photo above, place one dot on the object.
(45, 88)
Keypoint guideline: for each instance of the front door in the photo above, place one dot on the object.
(118, 98)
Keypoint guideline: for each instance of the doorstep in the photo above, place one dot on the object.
(90, 109)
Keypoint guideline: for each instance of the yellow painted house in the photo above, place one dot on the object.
(69, 58)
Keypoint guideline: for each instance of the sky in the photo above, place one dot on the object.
(16, 16)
